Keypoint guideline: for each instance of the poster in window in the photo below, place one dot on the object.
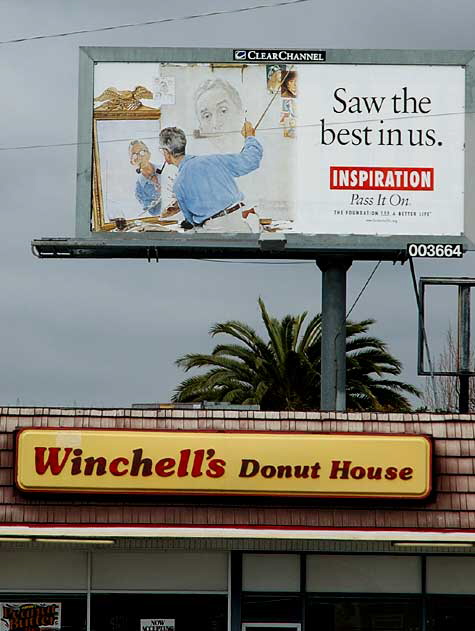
(30, 616)
(157, 624)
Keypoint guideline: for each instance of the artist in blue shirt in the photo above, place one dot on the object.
(205, 187)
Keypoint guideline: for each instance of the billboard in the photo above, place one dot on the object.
(194, 146)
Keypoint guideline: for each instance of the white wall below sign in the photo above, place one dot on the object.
(160, 571)
(29, 570)
(364, 573)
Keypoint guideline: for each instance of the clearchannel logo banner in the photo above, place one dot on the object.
(281, 56)
(278, 145)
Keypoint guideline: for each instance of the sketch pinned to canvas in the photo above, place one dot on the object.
(164, 91)
(274, 75)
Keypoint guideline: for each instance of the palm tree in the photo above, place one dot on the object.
(283, 373)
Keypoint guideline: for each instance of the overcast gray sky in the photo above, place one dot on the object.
(107, 333)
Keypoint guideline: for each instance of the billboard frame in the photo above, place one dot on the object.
(287, 245)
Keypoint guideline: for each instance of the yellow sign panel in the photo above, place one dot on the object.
(224, 463)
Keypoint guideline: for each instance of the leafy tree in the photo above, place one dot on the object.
(283, 373)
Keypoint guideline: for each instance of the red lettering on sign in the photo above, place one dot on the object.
(52, 462)
(381, 178)
(114, 466)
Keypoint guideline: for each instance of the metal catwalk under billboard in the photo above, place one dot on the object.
(291, 148)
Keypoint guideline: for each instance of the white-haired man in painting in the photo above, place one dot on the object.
(148, 185)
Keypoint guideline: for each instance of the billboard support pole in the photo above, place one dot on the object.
(464, 348)
(333, 349)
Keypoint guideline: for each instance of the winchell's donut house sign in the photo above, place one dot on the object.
(223, 463)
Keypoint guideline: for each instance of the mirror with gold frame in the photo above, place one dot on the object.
(127, 190)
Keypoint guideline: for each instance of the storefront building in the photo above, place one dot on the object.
(96, 549)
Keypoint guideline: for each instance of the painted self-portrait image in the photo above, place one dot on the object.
(134, 185)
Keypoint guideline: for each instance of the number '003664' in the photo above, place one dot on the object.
(435, 250)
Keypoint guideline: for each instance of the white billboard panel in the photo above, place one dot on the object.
(380, 150)
(224, 147)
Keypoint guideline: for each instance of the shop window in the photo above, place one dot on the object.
(451, 613)
(28, 570)
(60, 612)
(363, 614)
(139, 612)
(363, 574)
(271, 572)
(271, 626)
(160, 571)
(275, 608)
(450, 575)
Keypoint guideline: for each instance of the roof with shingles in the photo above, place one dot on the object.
(452, 506)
